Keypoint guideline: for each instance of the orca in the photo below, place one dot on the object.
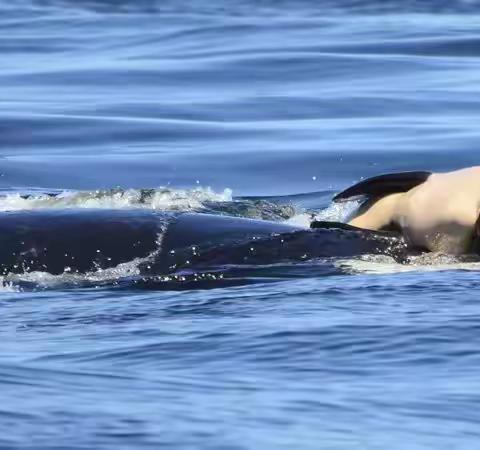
(86, 240)
(433, 211)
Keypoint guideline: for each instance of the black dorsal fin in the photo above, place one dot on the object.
(383, 185)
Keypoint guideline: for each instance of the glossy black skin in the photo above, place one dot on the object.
(190, 229)
(84, 240)
(79, 240)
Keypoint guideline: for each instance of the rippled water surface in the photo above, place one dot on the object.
(253, 109)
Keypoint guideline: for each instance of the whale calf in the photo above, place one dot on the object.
(434, 211)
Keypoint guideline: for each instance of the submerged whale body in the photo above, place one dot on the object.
(83, 241)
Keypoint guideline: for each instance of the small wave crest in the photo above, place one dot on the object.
(157, 199)
(200, 199)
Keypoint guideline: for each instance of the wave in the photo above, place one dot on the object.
(200, 199)
(157, 199)
(264, 7)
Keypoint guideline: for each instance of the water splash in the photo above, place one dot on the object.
(338, 212)
(8, 286)
(44, 280)
(335, 212)
(427, 262)
(157, 199)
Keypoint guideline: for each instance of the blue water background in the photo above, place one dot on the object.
(267, 99)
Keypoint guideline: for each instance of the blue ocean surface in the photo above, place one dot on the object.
(255, 109)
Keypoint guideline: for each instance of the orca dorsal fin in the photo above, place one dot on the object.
(383, 185)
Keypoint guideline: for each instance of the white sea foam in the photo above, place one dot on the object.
(382, 264)
(300, 220)
(335, 212)
(48, 280)
(158, 199)
(8, 285)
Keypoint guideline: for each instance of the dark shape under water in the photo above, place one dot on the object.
(189, 246)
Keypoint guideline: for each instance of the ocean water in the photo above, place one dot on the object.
(259, 109)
